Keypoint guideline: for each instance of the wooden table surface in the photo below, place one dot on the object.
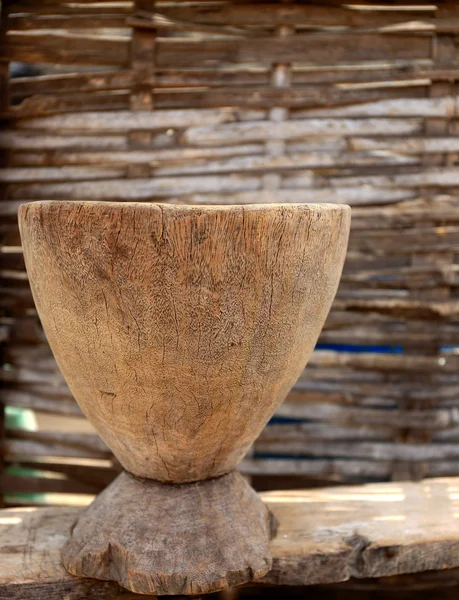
(325, 535)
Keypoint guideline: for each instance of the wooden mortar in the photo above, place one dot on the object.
(180, 330)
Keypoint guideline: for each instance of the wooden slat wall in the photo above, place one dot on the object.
(242, 102)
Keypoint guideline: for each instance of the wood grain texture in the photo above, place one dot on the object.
(324, 536)
(181, 329)
(195, 538)
(180, 52)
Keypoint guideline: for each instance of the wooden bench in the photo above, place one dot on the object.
(325, 535)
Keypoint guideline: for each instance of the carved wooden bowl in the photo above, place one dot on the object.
(180, 330)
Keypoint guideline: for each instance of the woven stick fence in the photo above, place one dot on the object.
(238, 102)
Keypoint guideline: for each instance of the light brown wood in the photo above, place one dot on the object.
(323, 536)
(179, 330)
(171, 324)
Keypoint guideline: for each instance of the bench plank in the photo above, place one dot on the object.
(325, 535)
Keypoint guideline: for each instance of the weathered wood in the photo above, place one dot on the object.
(270, 15)
(243, 132)
(441, 177)
(338, 469)
(35, 581)
(180, 53)
(398, 25)
(24, 140)
(327, 469)
(74, 82)
(51, 7)
(102, 400)
(419, 308)
(364, 450)
(66, 48)
(375, 332)
(324, 536)
(43, 443)
(218, 510)
(397, 75)
(384, 362)
(320, 431)
(413, 277)
(116, 122)
(73, 49)
(155, 157)
(41, 403)
(356, 415)
(146, 189)
(251, 97)
(59, 174)
(81, 471)
(75, 21)
(115, 162)
(207, 429)
(415, 107)
(39, 105)
(406, 146)
(374, 74)
(44, 485)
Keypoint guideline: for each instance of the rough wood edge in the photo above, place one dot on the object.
(154, 538)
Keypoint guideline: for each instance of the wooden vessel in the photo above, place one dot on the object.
(180, 330)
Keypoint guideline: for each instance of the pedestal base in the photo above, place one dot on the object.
(154, 538)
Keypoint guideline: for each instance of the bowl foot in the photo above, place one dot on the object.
(156, 538)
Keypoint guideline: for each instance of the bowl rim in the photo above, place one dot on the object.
(311, 207)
